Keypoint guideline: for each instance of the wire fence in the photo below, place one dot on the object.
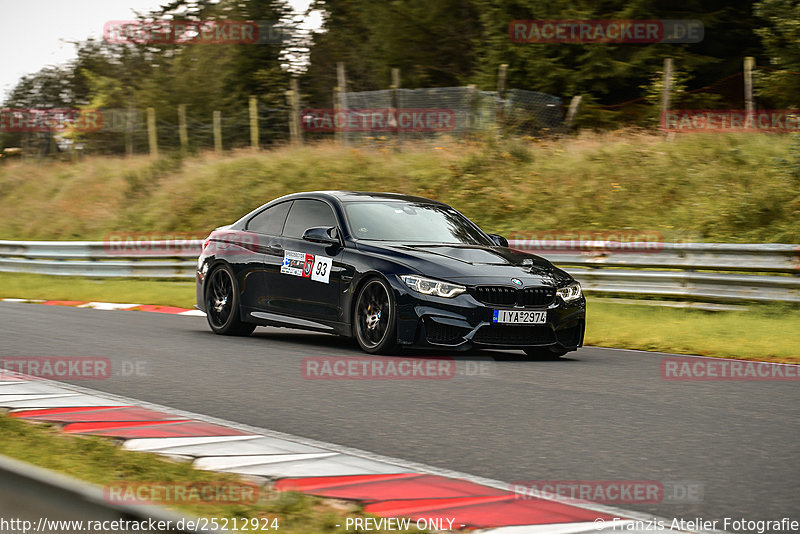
(470, 111)
(362, 117)
(359, 117)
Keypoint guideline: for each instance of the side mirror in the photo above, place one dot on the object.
(321, 234)
(499, 240)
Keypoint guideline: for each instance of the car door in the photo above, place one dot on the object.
(263, 273)
(311, 277)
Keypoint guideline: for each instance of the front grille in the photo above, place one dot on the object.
(514, 335)
(537, 296)
(495, 295)
(509, 296)
(444, 334)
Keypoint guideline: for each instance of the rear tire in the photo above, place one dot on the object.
(222, 304)
(543, 353)
(375, 318)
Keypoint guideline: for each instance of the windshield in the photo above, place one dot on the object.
(411, 222)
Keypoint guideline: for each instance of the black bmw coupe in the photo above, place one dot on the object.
(391, 271)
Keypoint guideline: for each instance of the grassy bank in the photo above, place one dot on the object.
(765, 332)
(725, 188)
(99, 461)
(38, 286)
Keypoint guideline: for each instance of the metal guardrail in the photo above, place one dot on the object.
(777, 258)
(105, 259)
(694, 271)
(697, 271)
(46, 499)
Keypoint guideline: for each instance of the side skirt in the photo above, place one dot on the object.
(280, 320)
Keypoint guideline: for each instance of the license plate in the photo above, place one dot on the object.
(519, 317)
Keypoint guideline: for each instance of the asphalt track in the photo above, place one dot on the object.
(601, 414)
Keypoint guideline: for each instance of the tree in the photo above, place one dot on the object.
(203, 77)
(432, 43)
(613, 73)
(780, 86)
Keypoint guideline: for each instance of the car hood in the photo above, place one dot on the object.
(471, 264)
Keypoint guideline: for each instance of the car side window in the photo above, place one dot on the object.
(270, 221)
(307, 214)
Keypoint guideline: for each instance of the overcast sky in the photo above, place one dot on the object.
(37, 33)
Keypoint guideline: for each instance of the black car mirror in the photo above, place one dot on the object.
(321, 234)
(499, 240)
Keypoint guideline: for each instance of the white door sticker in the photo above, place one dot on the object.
(293, 263)
(322, 269)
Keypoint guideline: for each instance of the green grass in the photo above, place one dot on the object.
(38, 286)
(99, 461)
(765, 332)
(716, 188)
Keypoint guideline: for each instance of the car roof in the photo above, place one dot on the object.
(361, 196)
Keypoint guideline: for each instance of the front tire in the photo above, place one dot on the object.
(375, 318)
(222, 304)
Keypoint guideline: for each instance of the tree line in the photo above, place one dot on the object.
(434, 44)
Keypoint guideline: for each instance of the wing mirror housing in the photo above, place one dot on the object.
(499, 240)
(322, 234)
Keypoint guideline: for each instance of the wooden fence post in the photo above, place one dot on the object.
(182, 132)
(129, 121)
(218, 132)
(573, 110)
(254, 136)
(666, 86)
(749, 63)
(294, 120)
(501, 96)
(393, 102)
(151, 132)
(341, 100)
(470, 107)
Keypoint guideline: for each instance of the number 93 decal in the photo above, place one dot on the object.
(318, 268)
(322, 269)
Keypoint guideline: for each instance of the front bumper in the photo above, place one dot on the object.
(463, 322)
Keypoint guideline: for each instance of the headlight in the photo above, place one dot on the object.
(570, 292)
(427, 286)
